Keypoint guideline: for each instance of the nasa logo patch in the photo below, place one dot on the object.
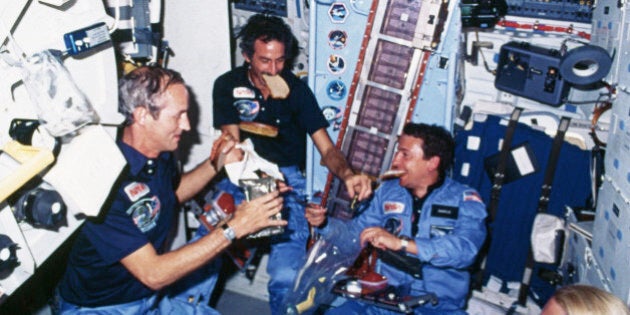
(393, 207)
(136, 190)
(243, 92)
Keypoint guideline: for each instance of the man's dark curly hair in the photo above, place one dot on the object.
(267, 28)
(437, 141)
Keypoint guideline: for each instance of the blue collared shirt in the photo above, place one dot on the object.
(140, 210)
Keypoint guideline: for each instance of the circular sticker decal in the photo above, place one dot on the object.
(336, 64)
(337, 39)
(336, 90)
(338, 12)
(333, 115)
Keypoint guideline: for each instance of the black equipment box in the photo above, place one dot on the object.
(531, 72)
(482, 13)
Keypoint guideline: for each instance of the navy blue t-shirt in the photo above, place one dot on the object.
(235, 99)
(142, 211)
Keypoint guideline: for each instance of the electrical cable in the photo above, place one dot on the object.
(597, 113)
(483, 57)
(610, 94)
(114, 26)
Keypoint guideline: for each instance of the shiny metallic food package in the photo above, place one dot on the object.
(255, 188)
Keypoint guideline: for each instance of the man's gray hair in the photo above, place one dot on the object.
(142, 87)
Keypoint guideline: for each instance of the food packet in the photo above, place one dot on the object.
(255, 188)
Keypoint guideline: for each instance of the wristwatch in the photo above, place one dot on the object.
(404, 242)
(228, 232)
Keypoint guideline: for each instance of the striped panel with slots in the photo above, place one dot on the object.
(400, 36)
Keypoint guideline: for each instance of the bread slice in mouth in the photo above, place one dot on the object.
(278, 88)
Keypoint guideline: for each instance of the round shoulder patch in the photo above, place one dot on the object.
(247, 109)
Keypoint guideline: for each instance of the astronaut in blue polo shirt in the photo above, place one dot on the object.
(263, 101)
(120, 263)
(423, 214)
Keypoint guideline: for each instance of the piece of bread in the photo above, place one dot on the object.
(258, 128)
(389, 174)
(277, 86)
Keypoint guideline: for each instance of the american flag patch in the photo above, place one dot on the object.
(472, 196)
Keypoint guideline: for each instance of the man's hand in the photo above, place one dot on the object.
(315, 214)
(255, 215)
(356, 185)
(224, 151)
(380, 238)
(359, 185)
(283, 187)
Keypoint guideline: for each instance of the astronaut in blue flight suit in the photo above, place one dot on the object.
(424, 214)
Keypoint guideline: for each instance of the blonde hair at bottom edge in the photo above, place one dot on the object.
(579, 299)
